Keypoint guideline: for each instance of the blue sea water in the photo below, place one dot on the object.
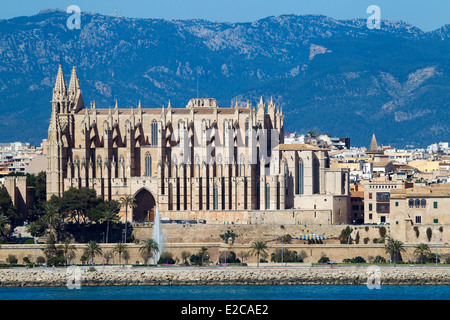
(230, 292)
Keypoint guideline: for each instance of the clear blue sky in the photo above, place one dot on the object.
(425, 14)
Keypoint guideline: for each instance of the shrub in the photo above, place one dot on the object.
(11, 259)
(231, 257)
(366, 228)
(432, 258)
(447, 260)
(366, 240)
(357, 238)
(323, 259)
(29, 241)
(40, 260)
(26, 260)
(358, 259)
(288, 256)
(166, 258)
(379, 259)
(55, 261)
(347, 260)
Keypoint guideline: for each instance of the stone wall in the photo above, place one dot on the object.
(336, 252)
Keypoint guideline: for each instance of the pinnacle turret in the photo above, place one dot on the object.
(60, 85)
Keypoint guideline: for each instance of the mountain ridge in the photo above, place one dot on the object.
(328, 75)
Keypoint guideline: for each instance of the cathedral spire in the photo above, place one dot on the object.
(60, 85)
(373, 144)
(74, 84)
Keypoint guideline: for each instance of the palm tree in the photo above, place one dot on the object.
(394, 248)
(229, 234)
(109, 216)
(126, 202)
(68, 250)
(120, 248)
(202, 253)
(52, 217)
(149, 247)
(422, 250)
(92, 249)
(258, 248)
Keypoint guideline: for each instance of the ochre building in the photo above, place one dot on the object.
(201, 161)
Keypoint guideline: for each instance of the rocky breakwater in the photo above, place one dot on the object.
(225, 276)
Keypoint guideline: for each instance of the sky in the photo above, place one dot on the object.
(425, 14)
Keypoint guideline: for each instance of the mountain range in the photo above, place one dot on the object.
(331, 76)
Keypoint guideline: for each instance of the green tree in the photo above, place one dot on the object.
(422, 250)
(120, 248)
(8, 209)
(126, 202)
(37, 228)
(4, 220)
(149, 246)
(258, 248)
(92, 250)
(345, 236)
(429, 234)
(184, 256)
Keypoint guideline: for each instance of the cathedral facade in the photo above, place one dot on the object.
(201, 160)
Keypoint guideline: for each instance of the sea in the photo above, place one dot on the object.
(230, 292)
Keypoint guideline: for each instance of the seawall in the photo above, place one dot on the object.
(149, 276)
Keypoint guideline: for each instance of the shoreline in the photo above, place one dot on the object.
(174, 276)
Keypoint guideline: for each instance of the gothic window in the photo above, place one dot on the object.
(258, 196)
(286, 178)
(247, 125)
(216, 198)
(148, 165)
(267, 196)
(154, 133)
(170, 197)
(300, 177)
(316, 180)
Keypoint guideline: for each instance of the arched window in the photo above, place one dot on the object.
(267, 196)
(148, 165)
(411, 202)
(423, 202)
(154, 133)
(300, 177)
(417, 202)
